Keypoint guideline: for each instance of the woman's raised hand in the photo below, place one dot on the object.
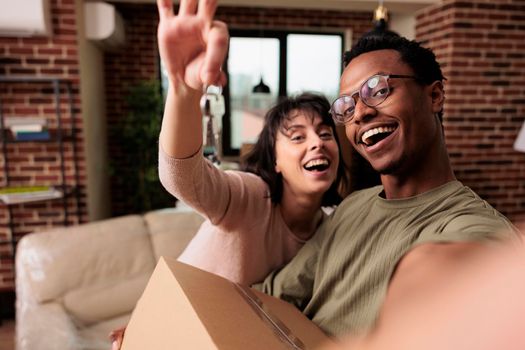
(192, 45)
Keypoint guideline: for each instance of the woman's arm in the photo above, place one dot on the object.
(192, 47)
(181, 131)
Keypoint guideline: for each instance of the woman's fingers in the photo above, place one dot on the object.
(207, 9)
(192, 44)
(217, 48)
(116, 338)
(216, 39)
(187, 7)
(165, 8)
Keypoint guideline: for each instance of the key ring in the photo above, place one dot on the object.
(209, 90)
(211, 134)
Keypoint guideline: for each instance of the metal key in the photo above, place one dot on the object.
(212, 107)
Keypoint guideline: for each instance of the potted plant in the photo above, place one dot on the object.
(138, 137)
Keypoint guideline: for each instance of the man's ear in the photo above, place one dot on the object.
(437, 93)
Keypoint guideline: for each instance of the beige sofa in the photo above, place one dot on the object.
(76, 284)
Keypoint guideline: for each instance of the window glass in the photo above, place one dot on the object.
(249, 60)
(313, 64)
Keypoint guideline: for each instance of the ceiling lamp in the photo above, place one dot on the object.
(381, 22)
(261, 88)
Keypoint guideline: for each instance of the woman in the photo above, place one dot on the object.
(260, 218)
(257, 219)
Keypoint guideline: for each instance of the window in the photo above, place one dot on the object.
(319, 72)
(288, 63)
(250, 61)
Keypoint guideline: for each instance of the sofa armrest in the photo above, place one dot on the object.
(44, 327)
(39, 326)
(63, 259)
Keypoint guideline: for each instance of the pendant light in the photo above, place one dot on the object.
(380, 22)
(261, 88)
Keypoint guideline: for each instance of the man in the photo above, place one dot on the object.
(391, 103)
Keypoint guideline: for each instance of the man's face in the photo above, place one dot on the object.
(398, 133)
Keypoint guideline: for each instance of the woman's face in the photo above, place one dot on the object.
(307, 155)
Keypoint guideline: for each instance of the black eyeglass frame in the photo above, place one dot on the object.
(342, 120)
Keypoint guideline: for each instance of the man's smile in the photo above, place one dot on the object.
(375, 134)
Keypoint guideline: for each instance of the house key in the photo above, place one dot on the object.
(212, 107)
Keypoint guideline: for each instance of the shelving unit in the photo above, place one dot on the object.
(59, 136)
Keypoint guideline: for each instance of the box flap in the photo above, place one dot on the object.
(164, 318)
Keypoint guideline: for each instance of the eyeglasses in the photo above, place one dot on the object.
(373, 92)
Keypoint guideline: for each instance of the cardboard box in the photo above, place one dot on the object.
(183, 307)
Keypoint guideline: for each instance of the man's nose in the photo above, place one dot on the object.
(362, 111)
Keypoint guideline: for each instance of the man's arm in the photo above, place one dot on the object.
(453, 296)
(425, 271)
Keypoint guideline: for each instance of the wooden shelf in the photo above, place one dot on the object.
(27, 196)
(60, 134)
(30, 196)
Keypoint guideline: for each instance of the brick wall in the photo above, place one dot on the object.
(481, 45)
(267, 18)
(38, 163)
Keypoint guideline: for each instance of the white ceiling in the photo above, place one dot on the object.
(394, 6)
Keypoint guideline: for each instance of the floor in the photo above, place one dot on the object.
(7, 335)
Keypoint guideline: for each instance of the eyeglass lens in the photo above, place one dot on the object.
(374, 91)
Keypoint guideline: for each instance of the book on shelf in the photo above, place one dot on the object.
(21, 121)
(25, 194)
(32, 135)
(27, 128)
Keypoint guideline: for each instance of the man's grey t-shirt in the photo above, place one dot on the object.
(340, 277)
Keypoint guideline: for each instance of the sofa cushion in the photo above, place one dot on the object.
(72, 257)
(171, 230)
(92, 304)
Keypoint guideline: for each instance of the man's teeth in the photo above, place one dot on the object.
(376, 131)
(316, 162)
